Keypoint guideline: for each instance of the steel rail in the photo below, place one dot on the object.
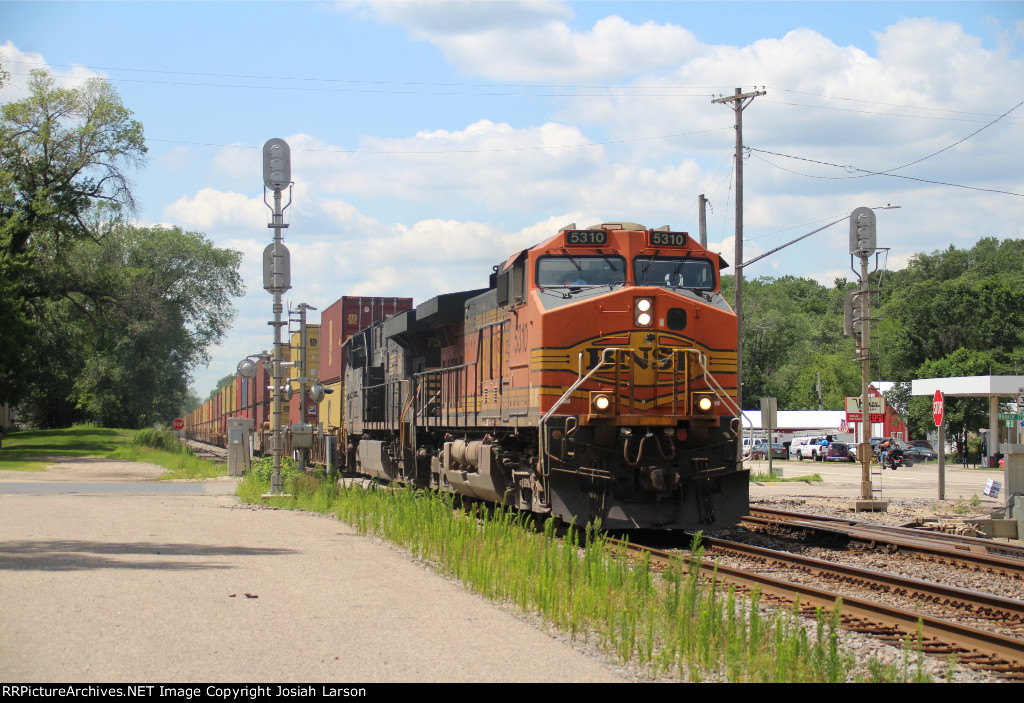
(975, 603)
(926, 544)
(979, 648)
(979, 545)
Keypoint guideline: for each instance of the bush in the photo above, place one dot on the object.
(263, 468)
(164, 439)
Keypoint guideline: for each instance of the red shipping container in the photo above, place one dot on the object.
(345, 317)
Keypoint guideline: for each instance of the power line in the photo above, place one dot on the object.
(867, 172)
(413, 87)
(359, 152)
(880, 114)
(872, 102)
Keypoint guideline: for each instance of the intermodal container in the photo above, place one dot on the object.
(345, 317)
(302, 410)
(331, 406)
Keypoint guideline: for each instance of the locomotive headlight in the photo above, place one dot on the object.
(600, 402)
(703, 403)
(643, 312)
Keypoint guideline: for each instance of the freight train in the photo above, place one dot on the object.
(593, 378)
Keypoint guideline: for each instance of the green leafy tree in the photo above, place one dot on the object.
(955, 299)
(63, 151)
(792, 330)
(962, 415)
(169, 300)
(100, 319)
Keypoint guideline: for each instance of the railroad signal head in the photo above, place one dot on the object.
(862, 232)
(277, 164)
(853, 315)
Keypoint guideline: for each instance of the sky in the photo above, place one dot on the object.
(431, 140)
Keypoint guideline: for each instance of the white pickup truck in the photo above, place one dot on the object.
(807, 448)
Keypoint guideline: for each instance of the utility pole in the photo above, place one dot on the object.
(702, 206)
(739, 101)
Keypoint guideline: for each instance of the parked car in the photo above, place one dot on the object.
(806, 448)
(921, 450)
(760, 451)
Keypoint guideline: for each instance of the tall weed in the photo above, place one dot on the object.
(679, 624)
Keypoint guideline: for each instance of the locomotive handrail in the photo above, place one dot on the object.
(565, 396)
(440, 373)
(716, 387)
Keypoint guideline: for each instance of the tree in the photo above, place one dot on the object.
(63, 151)
(169, 300)
(955, 299)
(962, 415)
(792, 329)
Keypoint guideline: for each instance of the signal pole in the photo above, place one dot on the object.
(863, 240)
(739, 101)
(277, 280)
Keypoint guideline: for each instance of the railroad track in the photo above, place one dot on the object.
(976, 647)
(999, 558)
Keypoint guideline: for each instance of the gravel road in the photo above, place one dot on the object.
(167, 584)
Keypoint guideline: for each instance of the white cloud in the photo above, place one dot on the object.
(213, 209)
(425, 18)
(20, 64)
(526, 41)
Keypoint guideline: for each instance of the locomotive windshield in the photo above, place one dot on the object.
(695, 274)
(562, 271)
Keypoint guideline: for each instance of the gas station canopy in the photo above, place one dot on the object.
(991, 387)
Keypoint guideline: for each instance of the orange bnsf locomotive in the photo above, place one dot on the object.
(594, 378)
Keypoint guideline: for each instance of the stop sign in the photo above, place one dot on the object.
(179, 424)
(938, 408)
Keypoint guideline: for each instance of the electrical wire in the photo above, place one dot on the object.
(361, 152)
(866, 172)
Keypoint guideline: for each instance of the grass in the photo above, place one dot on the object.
(21, 451)
(676, 624)
(775, 478)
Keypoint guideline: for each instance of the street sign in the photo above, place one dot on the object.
(938, 408)
(1011, 416)
(179, 424)
(876, 408)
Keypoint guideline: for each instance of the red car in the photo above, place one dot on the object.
(838, 451)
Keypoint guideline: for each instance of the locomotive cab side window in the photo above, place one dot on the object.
(580, 270)
(674, 272)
